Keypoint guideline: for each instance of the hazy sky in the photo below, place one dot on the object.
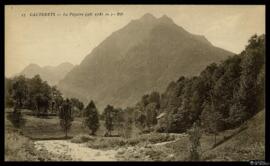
(53, 40)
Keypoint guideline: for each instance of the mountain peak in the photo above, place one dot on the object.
(51, 74)
(165, 19)
(147, 17)
(32, 65)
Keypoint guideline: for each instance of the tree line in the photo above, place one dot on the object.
(36, 95)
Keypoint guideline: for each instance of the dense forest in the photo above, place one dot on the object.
(222, 97)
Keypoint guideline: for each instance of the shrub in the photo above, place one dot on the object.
(82, 139)
(104, 143)
(134, 141)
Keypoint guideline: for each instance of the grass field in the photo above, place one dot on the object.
(49, 127)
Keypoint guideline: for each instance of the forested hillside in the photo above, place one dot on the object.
(222, 97)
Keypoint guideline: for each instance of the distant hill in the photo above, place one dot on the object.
(51, 74)
(143, 56)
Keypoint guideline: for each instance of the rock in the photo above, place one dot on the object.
(136, 156)
(147, 157)
(141, 149)
(148, 146)
(121, 152)
(171, 155)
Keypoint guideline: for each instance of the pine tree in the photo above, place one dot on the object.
(92, 118)
(108, 119)
(65, 117)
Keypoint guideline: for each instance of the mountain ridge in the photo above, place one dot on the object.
(144, 55)
(51, 74)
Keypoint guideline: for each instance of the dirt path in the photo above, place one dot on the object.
(62, 150)
(78, 152)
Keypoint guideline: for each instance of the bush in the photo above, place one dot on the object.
(134, 141)
(105, 143)
(158, 138)
(113, 142)
(82, 139)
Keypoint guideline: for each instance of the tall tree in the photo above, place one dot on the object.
(108, 112)
(57, 99)
(8, 93)
(77, 106)
(194, 138)
(247, 100)
(34, 91)
(211, 119)
(227, 82)
(128, 126)
(19, 95)
(151, 114)
(65, 117)
(20, 91)
(251, 66)
(140, 120)
(40, 95)
(91, 117)
(118, 120)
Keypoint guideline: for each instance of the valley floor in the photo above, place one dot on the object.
(40, 140)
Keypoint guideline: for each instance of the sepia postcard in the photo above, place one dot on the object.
(135, 83)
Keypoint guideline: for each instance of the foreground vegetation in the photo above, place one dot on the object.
(243, 143)
(19, 147)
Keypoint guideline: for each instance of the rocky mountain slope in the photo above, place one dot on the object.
(143, 56)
